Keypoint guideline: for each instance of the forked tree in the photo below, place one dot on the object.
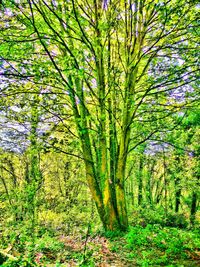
(115, 63)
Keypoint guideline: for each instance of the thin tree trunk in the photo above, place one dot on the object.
(165, 182)
(177, 194)
(193, 207)
(140, 182)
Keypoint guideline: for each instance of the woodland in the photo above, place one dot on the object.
(99, 133)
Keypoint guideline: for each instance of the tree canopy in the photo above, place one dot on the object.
(105, 77)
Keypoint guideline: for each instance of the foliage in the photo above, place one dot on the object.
(48, 243)
(147, 245)
(99, 128)
(158, 216)
(160, 245)
(101, 83)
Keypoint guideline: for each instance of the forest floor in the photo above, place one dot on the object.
(116, 251)
(152, 245)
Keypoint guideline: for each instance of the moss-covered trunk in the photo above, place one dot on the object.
(120, 181)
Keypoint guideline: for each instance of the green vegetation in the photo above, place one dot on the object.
(150, 245)
(99, 133)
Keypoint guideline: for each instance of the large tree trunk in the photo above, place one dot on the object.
(104, 201)
(121, 206)
(120, 183)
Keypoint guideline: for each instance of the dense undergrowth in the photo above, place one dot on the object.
(153, 239)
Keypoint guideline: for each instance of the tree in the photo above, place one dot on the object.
(115, 65)
(191, 125)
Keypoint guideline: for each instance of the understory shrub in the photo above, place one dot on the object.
(171, 241)
(145, 216)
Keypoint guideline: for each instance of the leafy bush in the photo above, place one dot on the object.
(113, 234)
(48, 243)
(172, 241)
(176, 220)
(29, 248)
(2, 259)
(16, 236)
(158, 216)
(17, 263)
